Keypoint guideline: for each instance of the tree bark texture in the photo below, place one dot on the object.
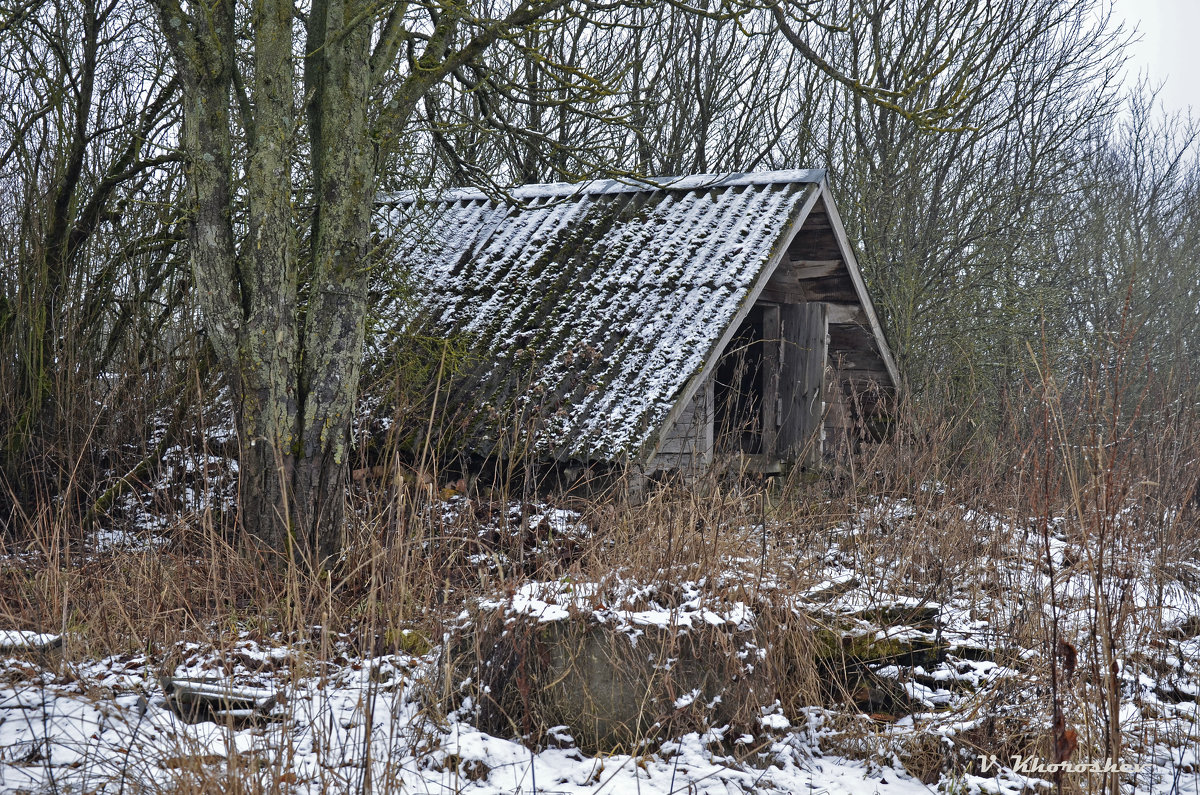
(268, 346)
(247, 292)
(344, 182)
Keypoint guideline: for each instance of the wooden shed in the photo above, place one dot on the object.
(660, 323)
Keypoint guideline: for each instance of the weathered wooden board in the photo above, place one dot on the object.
(197, 700)
(856, 359)
(787, 290)
(814, 244)
(772, 342)
(843, 314)
(850, 337)
(812, 268)
(688, 443)
(837, 421)
(802, 383)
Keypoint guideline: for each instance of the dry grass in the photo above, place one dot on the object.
(1112, 477)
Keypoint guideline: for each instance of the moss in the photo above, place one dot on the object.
(831, 645)
(894, 615)
(867, 649)
(409, 641)
(827, 644)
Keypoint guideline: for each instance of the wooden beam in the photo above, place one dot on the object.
(857, 360)
(850, 336)
(803, 390)
(819, 244)
(818, 219)
(760, 464)
(781, 291)
(772, 341)
(837, 289)
(814, 268)
(846, 313)
(786, 289)
(867, 376)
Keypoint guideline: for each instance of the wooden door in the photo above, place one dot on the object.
(805, 350)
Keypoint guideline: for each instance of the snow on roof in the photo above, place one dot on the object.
(590, 307)
(559, 190)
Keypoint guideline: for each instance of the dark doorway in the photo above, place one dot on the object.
(739, 389)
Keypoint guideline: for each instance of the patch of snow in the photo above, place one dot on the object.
(18, 640)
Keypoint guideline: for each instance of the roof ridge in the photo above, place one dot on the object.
(562, 190)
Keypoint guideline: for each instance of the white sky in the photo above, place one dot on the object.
(1169, 49)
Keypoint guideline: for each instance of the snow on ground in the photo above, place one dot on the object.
(343, 721)
(106, 727)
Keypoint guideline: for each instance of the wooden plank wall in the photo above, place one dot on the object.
(838, 427)
(688, 444)
(814, 271)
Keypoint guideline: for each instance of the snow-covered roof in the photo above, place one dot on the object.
(559, 190)
(592, 307)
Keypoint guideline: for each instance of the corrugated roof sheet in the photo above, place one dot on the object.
(591, 306)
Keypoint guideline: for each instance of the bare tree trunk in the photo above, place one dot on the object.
(344, 185)
(295, 382)
(249, 302)
(268, 346)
